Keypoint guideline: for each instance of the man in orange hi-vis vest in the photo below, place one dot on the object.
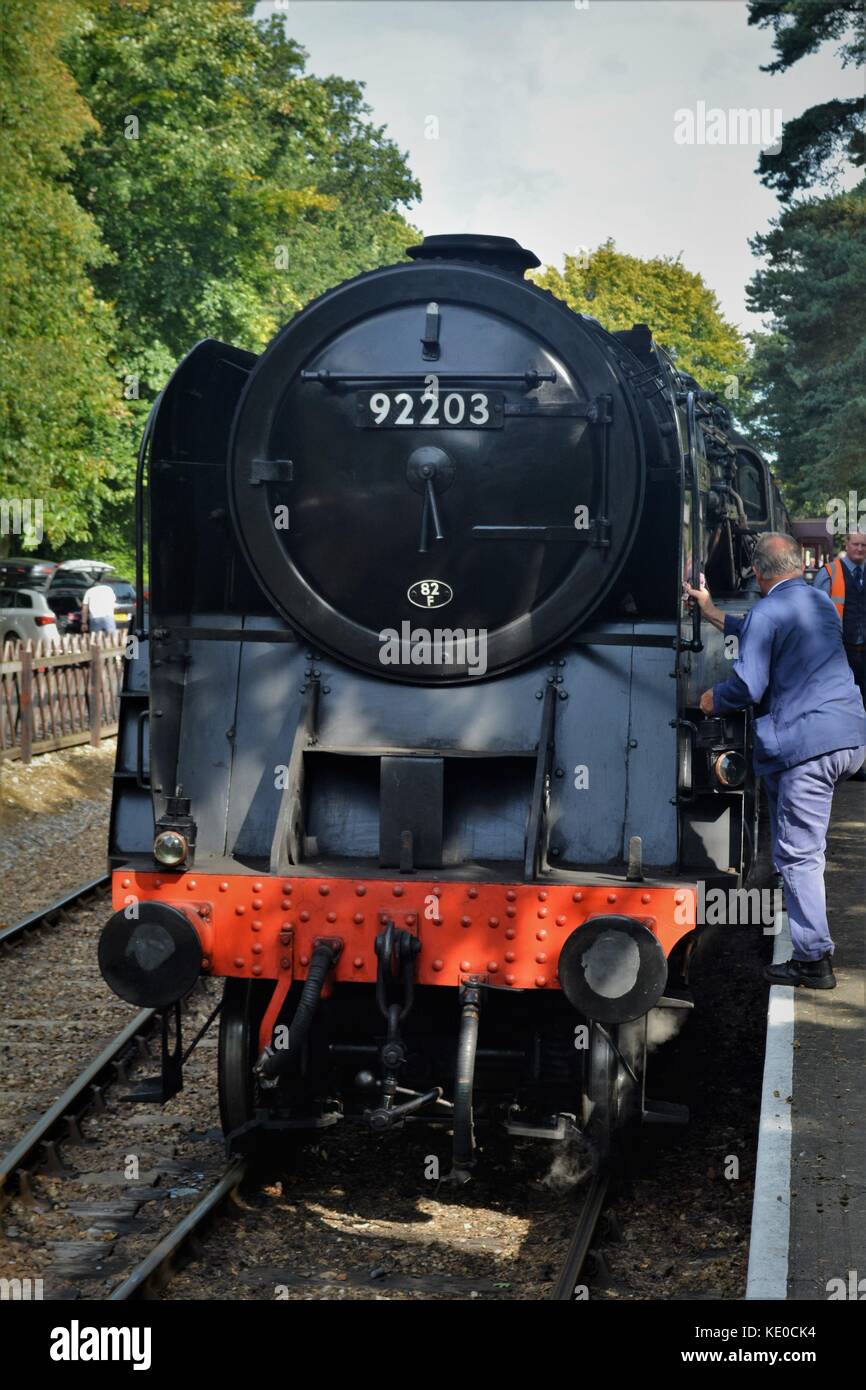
(843, 580)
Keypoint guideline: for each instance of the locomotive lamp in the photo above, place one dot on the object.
(730, 769)
(613, 969)
(170, 847)
(151, 960)
(174, 843)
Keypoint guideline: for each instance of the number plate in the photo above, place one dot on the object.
(424, 410)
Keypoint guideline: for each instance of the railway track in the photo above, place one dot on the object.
(350, 1214)
(62, 1119)
(59, 1142)
(80, 1214)
(563, 1290)
(39, 1149)
(55, 912)
(154, 1272)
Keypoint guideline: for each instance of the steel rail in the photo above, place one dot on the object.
(585, 1227)
(46, 915)
(77, 1098)
(135, 1285)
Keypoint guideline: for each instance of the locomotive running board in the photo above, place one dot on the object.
(665, 1113)
(562, 1128)
(674, 1001)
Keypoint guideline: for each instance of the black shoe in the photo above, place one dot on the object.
(813, 974)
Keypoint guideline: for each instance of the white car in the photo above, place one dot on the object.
(26, 617)
(94, 567)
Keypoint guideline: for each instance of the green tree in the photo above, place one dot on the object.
(229, 185)
(681, 310)
(60, 406)
(827, 135)
(809, 370)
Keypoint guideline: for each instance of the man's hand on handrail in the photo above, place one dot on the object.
(704, 601)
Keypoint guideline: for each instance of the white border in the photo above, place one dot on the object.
(771, 1208)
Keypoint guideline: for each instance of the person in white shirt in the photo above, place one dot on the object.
(97, 610)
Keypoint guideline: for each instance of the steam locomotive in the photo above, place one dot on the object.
(410, 752)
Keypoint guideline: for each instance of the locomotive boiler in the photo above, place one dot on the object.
(410, 752)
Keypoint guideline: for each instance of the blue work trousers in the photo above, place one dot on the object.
(800, 799)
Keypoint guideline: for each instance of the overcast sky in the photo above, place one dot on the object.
(556, 123)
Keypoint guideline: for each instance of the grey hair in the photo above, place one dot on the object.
(776, 554)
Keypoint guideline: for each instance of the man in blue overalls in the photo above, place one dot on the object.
(809, 733)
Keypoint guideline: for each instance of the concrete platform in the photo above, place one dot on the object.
(809, 1216)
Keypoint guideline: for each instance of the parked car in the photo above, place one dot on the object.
(63, 581)
(66, 605)
(25, 616)
(69, 589)
(25, 572)
(124, 600)
(78, 574)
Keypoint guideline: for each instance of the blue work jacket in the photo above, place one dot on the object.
(792, 667)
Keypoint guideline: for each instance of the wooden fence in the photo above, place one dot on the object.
(54, 695)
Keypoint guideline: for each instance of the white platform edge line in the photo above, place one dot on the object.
(771, 1207)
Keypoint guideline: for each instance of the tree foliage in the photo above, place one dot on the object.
(827, 135)
(169, 170)
(60, 409)
(682, 311)
(809, 371)
(230, 185)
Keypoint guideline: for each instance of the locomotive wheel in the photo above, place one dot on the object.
(244, 1003)
(612, 1099)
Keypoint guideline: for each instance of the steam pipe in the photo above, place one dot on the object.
(464, 1082)
(274, 1061)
